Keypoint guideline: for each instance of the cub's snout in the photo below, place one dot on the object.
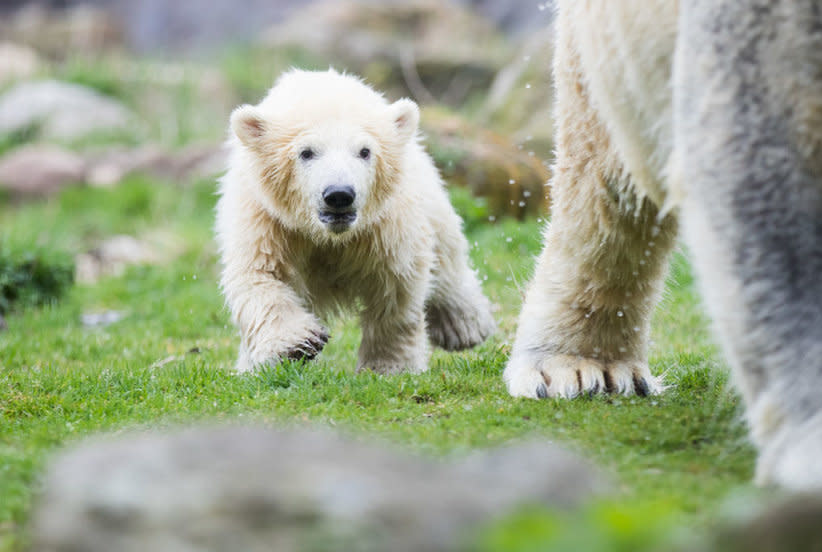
(338, 211)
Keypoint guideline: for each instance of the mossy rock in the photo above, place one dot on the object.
(491, 165)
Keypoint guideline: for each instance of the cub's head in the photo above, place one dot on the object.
(326, 148)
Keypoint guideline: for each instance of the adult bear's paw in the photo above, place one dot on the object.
(542, 375)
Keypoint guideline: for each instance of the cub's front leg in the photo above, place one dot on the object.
(273, 321)
(273, 324)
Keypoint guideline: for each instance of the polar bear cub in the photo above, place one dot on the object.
(330, 203)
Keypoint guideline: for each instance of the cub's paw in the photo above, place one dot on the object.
(309, 347)
(278, 344)
(541, 375)
(456, 328)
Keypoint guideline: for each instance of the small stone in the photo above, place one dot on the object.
(101, 319)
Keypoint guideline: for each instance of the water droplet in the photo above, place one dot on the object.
(642, 261)
(492, 218)
(528, 85)
(526, 193)
(636, 328)
(521, 204)
(647, 253)
(511, 181)
(508, 239)
(622, 349)
(620, 314)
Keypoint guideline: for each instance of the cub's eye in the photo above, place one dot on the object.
(307, 154)
(365, 153)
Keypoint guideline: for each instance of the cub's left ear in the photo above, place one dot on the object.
(406, 117)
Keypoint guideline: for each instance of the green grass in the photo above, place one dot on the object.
(168, 361)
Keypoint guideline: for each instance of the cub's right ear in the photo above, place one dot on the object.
(248, 125)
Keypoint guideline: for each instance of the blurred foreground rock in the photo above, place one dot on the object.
(791, 525)
(61, 111)
(511, 177)
(431, 50)
(254, 489)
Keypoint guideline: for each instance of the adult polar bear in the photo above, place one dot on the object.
(707, 112)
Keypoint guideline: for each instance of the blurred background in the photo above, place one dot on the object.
(112, 119)
(96, 93)
(155, 76)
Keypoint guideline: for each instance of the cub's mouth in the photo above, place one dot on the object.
(338, 221)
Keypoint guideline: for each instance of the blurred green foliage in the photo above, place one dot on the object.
(33, 278)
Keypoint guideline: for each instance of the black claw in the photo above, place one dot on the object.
(309, 348)
(609, 383)
(594, 390)
(542, 391)
(641, 386)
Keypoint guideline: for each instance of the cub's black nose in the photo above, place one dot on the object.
(338, 197)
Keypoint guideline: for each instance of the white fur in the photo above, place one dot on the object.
(707, 111)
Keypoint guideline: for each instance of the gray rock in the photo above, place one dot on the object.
(255, 489)
(42, 170)
(195, 161)
(38, 171)
(60, 110)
